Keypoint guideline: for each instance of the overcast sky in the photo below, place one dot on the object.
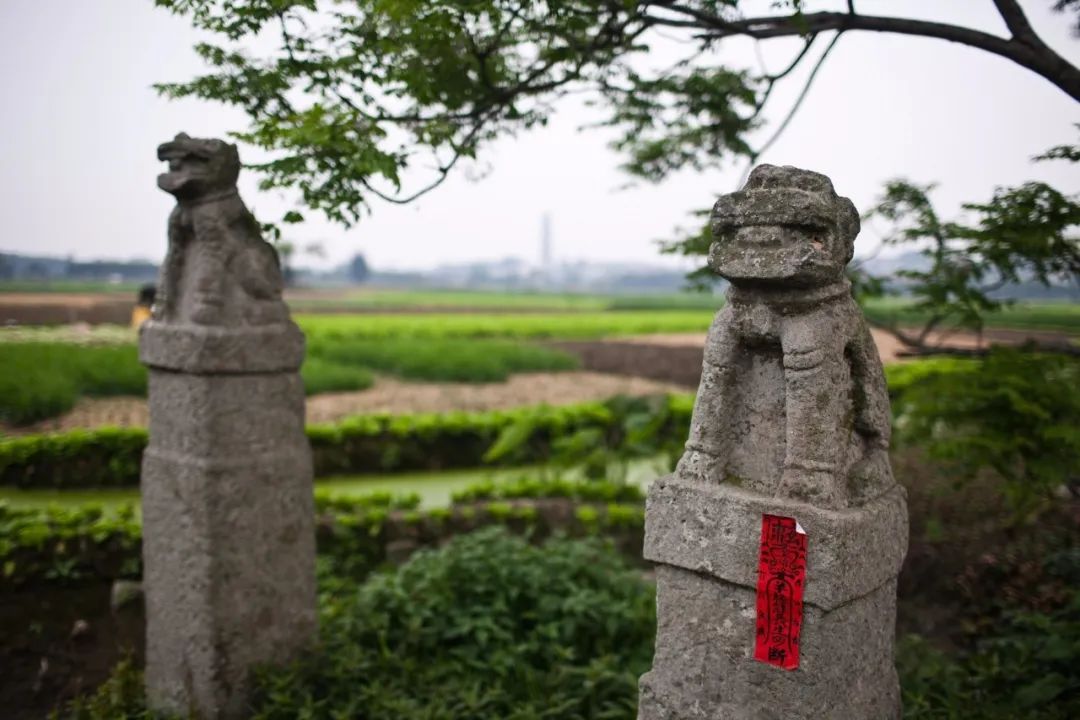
(79, 124)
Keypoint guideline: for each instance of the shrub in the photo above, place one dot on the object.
(110, 457)
(533, 488)
(57, 545)
(1025, 667)
(106, 457)
(121, 697)
(487, 627)
(1014, 413)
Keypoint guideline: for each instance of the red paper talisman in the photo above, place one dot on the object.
(781, 578)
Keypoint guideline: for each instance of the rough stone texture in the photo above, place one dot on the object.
(791, 419)
(228, 516)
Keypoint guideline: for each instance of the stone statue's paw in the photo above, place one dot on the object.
(699, 466)
(870, 476)
(816, 487)
(203, 313)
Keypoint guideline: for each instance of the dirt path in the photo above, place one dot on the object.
(393, 396)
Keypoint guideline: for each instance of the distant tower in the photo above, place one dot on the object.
(545, 242)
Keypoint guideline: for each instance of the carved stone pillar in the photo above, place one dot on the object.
(791, 425)
(227, 507)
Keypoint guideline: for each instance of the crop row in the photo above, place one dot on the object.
(43, 379)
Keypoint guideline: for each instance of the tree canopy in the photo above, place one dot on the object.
(350, 93)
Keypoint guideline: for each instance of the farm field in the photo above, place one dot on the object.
(444, 353)
(64, 302)
(41, 378)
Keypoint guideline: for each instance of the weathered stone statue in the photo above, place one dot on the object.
(228, 517)
(218, 270)
(791, 425)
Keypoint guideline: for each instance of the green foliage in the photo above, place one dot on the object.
(65, 545)
(331, 503)
(534, 488)
(902, 376)
(121, 697)
(106, 457)
(346, 97)
(629, 429)
(81, 542)
(491, 627)
(1022, 665)
(487, 627)
(1021, 233)
(1015, 413)
(111, 457)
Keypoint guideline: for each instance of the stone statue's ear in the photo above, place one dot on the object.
(182, 136)
(848, 225)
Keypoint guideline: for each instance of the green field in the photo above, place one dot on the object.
(44, 379)
(504, 325)
(387, 299)
(44, 372)
(1048, 316)
(68, 286)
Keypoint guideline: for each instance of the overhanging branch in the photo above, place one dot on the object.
(1025, 48)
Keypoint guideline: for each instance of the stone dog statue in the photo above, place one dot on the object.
(790, 350)
(218, 270)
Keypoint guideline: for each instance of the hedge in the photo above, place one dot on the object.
(354, 535)
(111, 457)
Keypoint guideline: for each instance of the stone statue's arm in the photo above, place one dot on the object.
(707, 453)
(169, 277)
(872, 417)
(210, 268)
(816, 393)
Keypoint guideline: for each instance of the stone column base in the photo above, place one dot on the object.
(228, 537)
(706, 541)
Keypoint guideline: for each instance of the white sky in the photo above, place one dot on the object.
(79, 124)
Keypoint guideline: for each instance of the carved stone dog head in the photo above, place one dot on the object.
(785, 226)
(198, 167)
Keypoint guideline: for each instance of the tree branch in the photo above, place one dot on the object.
(799, 100)
(1025, 49)
(1016, 21)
